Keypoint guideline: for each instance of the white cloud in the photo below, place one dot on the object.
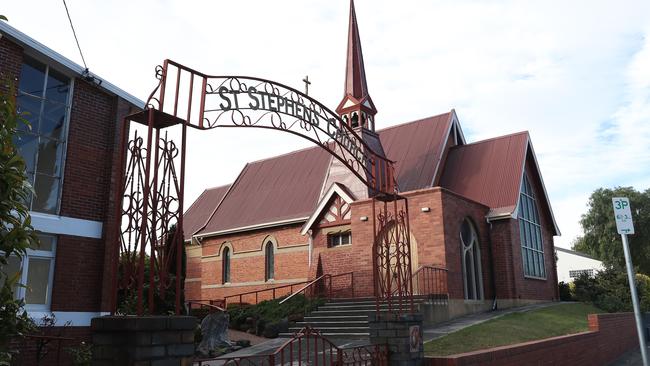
(575, 74)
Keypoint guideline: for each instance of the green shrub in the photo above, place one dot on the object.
(565, 291)
(609, 290)
(264, 317)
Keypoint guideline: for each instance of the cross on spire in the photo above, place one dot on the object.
(307, 84)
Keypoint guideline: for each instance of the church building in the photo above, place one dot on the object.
(478, 212)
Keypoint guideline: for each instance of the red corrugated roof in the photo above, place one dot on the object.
(488, 171)
(287, 187)
(416, 147)
(281, 188)
(201, 209)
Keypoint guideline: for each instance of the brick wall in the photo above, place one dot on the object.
(89, 151)
(510, 279)
(456, 209)
(12, 58)
(609, 336)
(247, 263)
(78, 274)
(28, 346)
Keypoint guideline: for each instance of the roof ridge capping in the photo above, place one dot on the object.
(513, 134)
(285, 154)
(414, 121)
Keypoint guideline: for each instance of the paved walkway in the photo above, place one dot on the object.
(454, 325)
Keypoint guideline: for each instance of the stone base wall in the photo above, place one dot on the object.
(143, 341)
(397, 332)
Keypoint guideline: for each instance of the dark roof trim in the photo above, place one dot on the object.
(513, 214)
(580, 254)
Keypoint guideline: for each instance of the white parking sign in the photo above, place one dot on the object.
(623, 215)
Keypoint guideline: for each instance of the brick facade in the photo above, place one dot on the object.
(89, 170)
(609, 336)
(435, 240)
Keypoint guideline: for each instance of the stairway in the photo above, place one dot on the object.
(342, 318)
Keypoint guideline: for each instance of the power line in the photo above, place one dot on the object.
(75, 35)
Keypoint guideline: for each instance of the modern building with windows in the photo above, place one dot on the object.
(478, 209)
(69, 147)
(572, 264)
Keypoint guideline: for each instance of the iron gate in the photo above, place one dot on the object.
(309, 347)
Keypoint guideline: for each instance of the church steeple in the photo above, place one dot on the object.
(356, 108)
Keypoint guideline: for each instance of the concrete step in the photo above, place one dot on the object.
(373, 307)
(346, 312)
(328, 323)
(336, 330)
(350, 335)
(342, 318)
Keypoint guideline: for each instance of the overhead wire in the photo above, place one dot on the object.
(75, 35)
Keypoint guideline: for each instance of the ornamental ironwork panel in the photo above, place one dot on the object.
(147, 261)
(392, 254)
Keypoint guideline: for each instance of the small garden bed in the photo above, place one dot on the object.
(269, 318)
(515, 328)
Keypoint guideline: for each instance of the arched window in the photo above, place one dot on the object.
(225, 265)
(471, 251)
(269, 261)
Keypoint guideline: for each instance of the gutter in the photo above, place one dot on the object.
(251, 227)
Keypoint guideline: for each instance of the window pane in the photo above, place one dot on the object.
(53, 120)
(38, 284)
(466, 233)
(47, 194)
(32, 77)
(468, 276)
(524, 257)
(29, 108)
(50, 156)
(345, 239)
(27, 145)
(58, 86)
(524, 207)
(46, 243)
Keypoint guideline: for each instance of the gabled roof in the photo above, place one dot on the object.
(417, 147)
(196, 216)
(335, 189)
(491, 171)
(487, 171)
(286, 188)
(282, 189)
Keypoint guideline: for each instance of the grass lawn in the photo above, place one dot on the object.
(515, 328)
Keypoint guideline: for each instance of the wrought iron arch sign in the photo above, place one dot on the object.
(152, 166)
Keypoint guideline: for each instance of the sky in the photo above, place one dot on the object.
(576, 74)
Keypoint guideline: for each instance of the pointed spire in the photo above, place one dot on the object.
(355, 73)
(356, 107)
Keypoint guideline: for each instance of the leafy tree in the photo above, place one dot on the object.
(16, 231)
(600, 238)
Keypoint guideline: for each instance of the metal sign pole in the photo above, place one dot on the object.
(635, 299)
(625, 226)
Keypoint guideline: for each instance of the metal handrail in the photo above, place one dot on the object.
(202, 303)
(432, 284)
(257, 292)
(327, 276)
